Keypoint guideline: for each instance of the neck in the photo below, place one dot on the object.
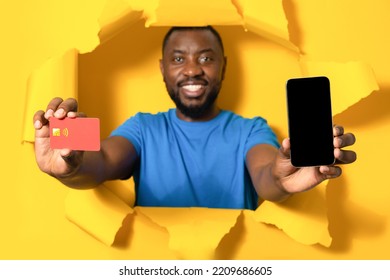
(206, 116)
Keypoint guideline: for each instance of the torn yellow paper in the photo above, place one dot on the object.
(57, 77)
(123, 189)
(194, 232)
(264, 18)
(97, 211)
(349, 82)
(267, 19)
(303, 216)
(179, 13)
(117, 15)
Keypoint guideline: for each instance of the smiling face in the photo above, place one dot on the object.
(193, 67)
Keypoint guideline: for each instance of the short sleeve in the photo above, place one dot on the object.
(261, 133)
(130, 130)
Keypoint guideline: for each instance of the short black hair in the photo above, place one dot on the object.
(184, 28)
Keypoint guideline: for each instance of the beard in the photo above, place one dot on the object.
(194, 111)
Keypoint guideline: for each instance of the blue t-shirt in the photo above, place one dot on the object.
(194, 164)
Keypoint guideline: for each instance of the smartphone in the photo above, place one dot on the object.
(310, 122)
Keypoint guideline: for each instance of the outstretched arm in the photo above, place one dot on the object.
(77, 169)
(275, 178)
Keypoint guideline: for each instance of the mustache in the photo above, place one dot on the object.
(192, 81)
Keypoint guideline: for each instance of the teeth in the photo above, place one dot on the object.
(192, 87)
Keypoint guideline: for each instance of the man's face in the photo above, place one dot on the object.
(193, 68)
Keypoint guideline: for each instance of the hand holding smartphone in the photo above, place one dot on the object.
(310, 121)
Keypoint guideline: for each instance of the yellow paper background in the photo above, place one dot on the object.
(33, 204)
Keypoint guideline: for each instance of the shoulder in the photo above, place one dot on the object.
(237, 119)
(134, 125)
(147, 118)
(255, 129)
(152, 116)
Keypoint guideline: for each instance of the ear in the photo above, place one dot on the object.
(161, 67)
(224, 67)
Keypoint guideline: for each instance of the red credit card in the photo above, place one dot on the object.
(81, 134)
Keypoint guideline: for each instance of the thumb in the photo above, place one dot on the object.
(72, 158)
(284, 150)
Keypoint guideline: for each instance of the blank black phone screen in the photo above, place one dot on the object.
(310, 121)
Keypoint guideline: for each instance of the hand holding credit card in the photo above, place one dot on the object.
(80, 134)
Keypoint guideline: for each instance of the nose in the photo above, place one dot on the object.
(192, 68)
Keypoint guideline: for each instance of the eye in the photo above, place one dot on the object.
(178, 59)
(204, 59)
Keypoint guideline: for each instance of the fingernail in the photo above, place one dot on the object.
(325, 169)
(49, 113)
(37, 124)
(59, 113)
(72, 114)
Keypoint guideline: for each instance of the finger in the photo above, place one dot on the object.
(65, 153)
(81, 115)
(71, 157)
(330, 172)
(344, 140)
(52, 106)
(76, 115)
(338, 130)
(285, 148)
(39, 119)
(344, 157)
(66, 106)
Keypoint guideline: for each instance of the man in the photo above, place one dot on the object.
(195, 155)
